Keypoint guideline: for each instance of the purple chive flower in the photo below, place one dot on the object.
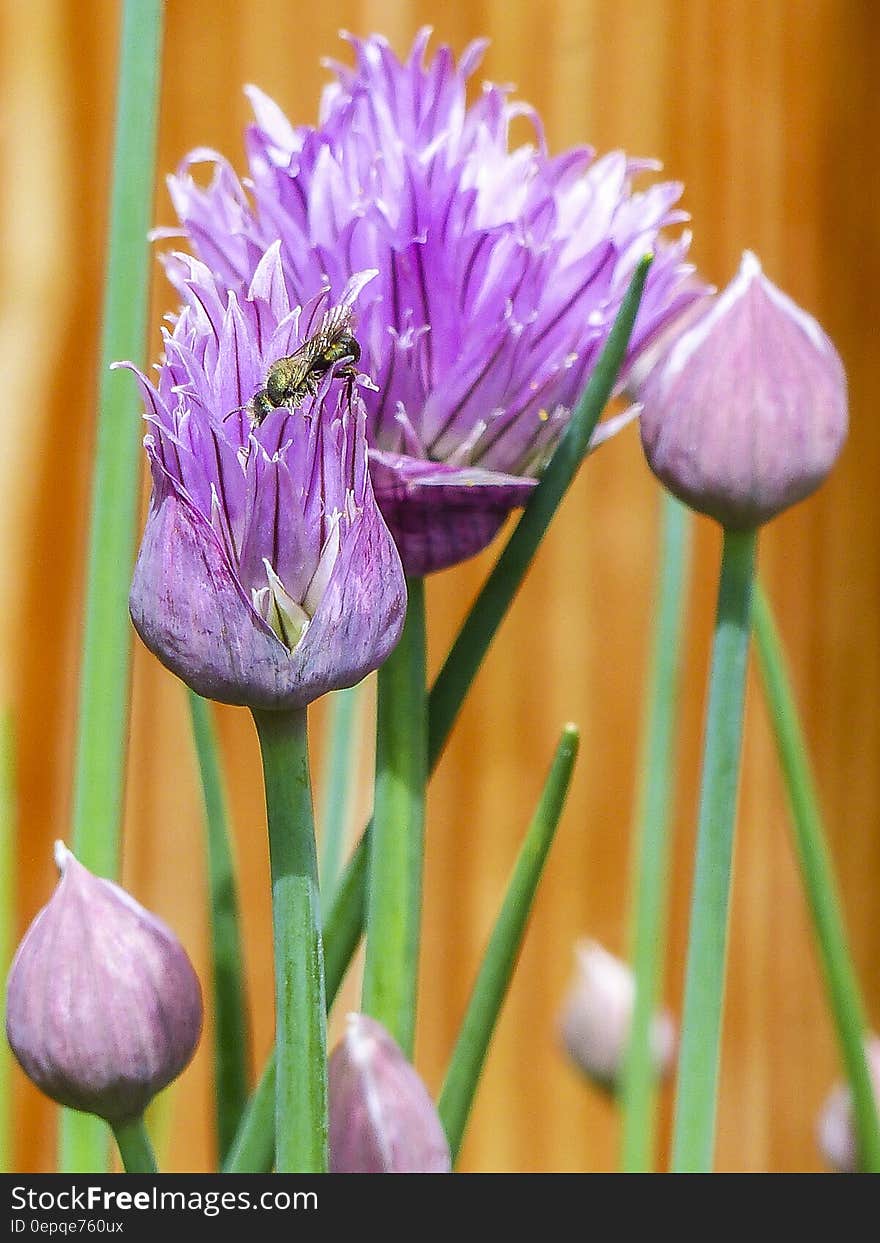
(266, 575)
(103, 1007)
(382, 1120)
(746, 412)
(500, 273)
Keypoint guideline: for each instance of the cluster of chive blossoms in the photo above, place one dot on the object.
(499, 274)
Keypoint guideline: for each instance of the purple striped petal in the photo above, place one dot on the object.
(266, 574)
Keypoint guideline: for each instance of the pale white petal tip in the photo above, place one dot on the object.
(750, 265)
(61, 854)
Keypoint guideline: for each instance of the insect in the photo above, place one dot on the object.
(290, 380)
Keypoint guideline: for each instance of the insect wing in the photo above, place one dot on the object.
(335, 325)
(299, 364)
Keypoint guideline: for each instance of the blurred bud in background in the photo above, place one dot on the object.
(747, 411)
(382, 1120)
(103, 1006)
(597, 1017)
(836, 1133)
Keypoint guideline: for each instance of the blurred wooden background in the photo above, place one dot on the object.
(767, 111)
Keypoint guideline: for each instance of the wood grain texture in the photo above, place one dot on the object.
(766, 112)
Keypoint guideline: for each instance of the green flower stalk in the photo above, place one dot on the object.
(394, 907)
(300, 1007)
(696, 1102)
(651, 841)
(744, 415)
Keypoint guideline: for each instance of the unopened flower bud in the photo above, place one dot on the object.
(747, 412)
(103, 1007)
(836, 1132)
(382, 1120)
(597, 1018)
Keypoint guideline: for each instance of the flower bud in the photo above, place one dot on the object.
(597, 1018)
(103, 1007)
(836, 1132)
(382, 1120)
(747, 412)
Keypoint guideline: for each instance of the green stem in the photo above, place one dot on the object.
(397, 837)
(135, 1147)
(448, 693)
(254, 1147)
(337, 785)
(7, 922)
(104, 678)
(300, 1012)
(490, 607)
(652, 840)
(231, 1039)
(814, 856)
(696, 1100)
(496, 970)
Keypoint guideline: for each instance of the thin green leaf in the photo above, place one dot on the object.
(817, 870)
(491, 605)
(652, 839)
(496, 970)
(229, 1009)
(104, 679)
(337, 785)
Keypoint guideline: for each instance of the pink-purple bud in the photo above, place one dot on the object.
(747, 412)
(103, 1007)
(382, 1120)
(597, 1018)
(836, 1131)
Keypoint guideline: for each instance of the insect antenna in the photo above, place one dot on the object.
(237, 410)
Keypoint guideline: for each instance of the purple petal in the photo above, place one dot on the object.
(191, 611)
(360, 618)
(440, 515)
